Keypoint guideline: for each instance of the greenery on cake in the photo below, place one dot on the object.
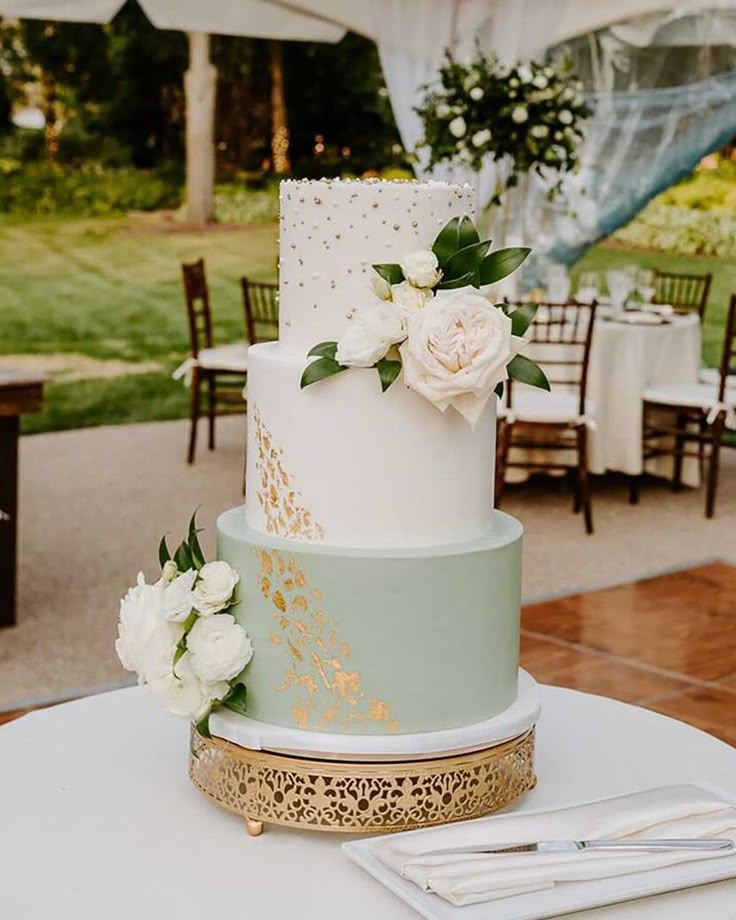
(429, 319)
(178, 638)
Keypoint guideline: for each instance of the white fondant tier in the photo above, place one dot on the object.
(332, 231)
(520, 717)
(342, 463)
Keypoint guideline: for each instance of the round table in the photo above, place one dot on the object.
(99, 820)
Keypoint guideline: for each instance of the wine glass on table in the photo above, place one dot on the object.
(620, 286)
(588, 288)
(645, 285)
(558, 283)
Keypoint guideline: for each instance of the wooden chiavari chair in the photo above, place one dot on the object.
(554, 424)
(686, 293)
(678, 415)
(217, 373)
(261, 305)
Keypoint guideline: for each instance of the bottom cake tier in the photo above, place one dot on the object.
(371, 642)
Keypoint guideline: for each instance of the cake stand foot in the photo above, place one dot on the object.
(254, 828)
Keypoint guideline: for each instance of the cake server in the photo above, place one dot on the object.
(573, 846)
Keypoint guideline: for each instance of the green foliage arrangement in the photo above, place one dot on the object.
(530, 113)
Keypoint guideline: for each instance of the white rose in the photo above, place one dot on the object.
(539, 131)
(182, 693)
(214, 588)
(458, 350)
(421, 268)
(476, 93)
(481, 137)
(513, 82)
(519, 114)
(218, 648)
(409, 299)
(540, 81)
(381, 288)
(178, 598)
(566, 117)
(368, 338)
(458, 127)
(443, 110)
(525, 74)
(140, 614)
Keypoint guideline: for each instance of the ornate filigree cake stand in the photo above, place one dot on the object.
(351, 797)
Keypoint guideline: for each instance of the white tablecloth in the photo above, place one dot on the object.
(98, 820)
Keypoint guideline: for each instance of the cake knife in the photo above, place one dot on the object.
(573, 846)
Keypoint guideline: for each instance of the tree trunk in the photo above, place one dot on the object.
(279, 121)
(51, 116)
(200, 82)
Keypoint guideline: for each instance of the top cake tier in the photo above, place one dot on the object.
(333, 230)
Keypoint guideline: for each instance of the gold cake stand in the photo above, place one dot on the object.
(323, 795)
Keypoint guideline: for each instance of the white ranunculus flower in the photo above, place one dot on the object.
(458, 350)
(458, 127)
(140, 615)
(525, 73)
(371, 334)
(443, 110)
(476, 93)
(519, 114)
(421, 268)
(409, 299)
(566, 117)
(178, 597)
(183, 693)
(214, 588)
(381, 288)
(481, 137)
(218, 648)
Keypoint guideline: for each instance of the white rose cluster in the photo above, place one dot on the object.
(176, 638)
(379, 326)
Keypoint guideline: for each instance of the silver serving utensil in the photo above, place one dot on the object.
(573, 846)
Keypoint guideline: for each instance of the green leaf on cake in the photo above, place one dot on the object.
(466, 261)
(388, 371)
(323, 350)
(163, 552)
(447, 241)
(390, 272)
(195, 550)
(319, 370)
(462, 281)
(203, 726)
(235, 699)
(527, 371)
(522, 316)
(467, 235)
(497, 265)
(183, 557)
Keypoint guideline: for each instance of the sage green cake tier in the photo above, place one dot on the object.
(376, 641)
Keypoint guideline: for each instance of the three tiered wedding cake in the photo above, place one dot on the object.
(378, 586)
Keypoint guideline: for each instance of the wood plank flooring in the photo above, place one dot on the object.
(667, 643)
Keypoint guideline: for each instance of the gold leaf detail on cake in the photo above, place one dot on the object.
(277, 494)
(325, 690)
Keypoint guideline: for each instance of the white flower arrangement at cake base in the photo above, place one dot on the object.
(428, 317)
(178, 638)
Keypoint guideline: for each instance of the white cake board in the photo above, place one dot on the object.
(519, 718)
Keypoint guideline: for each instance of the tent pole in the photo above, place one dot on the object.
(199, 86)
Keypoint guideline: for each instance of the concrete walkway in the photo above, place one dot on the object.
(94, 504)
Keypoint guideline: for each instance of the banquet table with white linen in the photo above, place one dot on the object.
(625, 359)
(99, 818)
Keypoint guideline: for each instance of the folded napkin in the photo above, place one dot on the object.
(667, 812)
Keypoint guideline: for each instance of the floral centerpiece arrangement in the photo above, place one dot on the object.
(429, 318)
(178, 637)
(528, 114)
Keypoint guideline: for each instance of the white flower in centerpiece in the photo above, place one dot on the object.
(458, 127)
(476, 93)
(540, 81)
(371, 334)
(443, 110)
(566, 117)
(539, 131)
(178, 598)
(519, 114)
(381, 288)
(421, 268)
(218, 648)
(457, 352)
(214, 588)
(481, 137)
(183, 693)
(409, 299)
(525, 73)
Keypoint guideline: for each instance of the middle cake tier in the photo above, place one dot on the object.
(343, 464)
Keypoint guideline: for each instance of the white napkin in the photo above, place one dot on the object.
(667, 812)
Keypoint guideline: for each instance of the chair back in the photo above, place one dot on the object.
(261, 305)
(560, 337)
(684, 292)
(198, 305)
(728, 357)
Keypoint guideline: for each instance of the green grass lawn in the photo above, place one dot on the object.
(110, 290)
